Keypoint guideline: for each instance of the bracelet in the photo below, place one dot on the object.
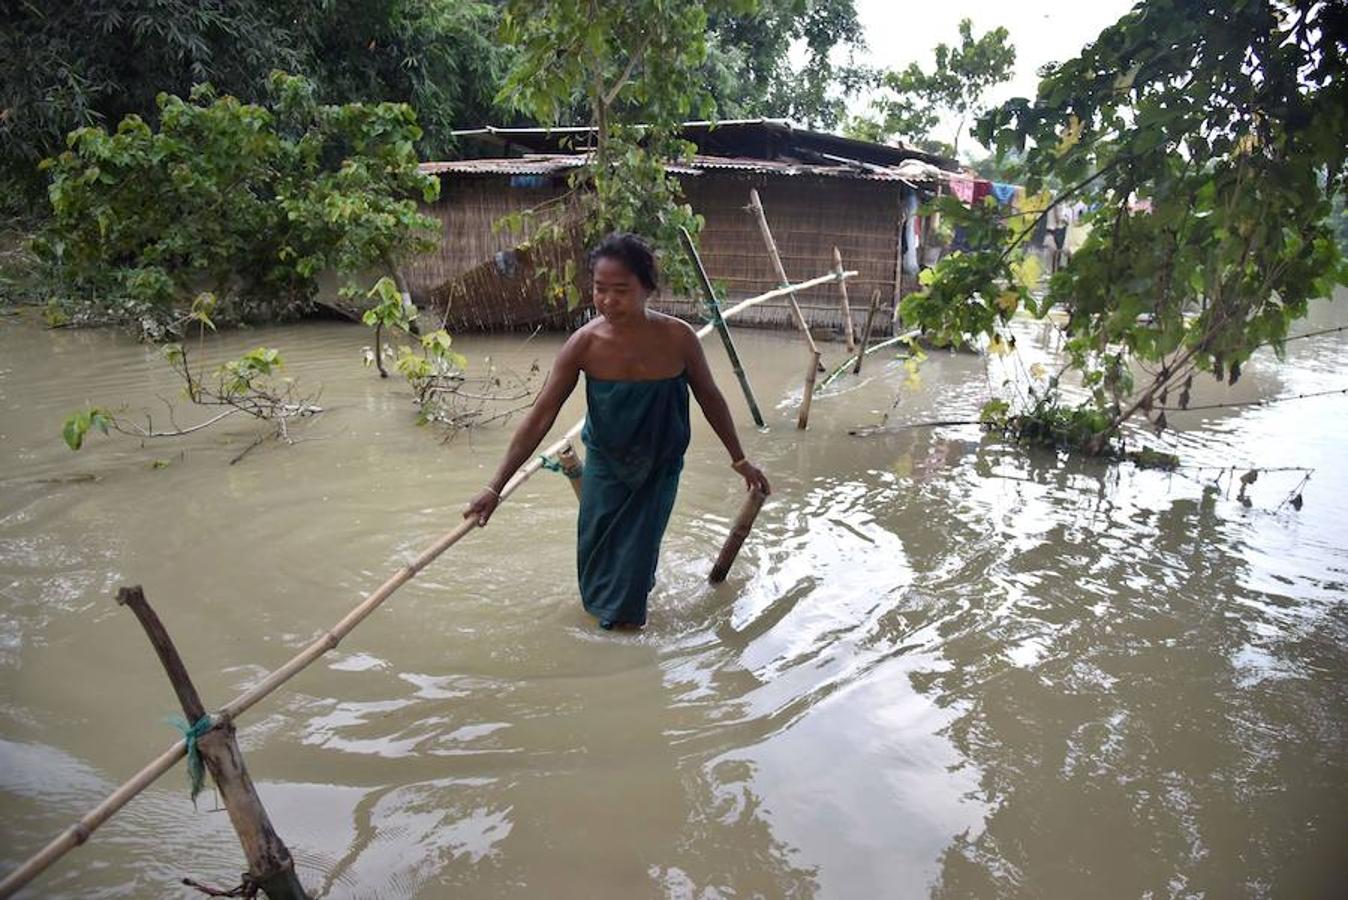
(493, 490)
(739, 462)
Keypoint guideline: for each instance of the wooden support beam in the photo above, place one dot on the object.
(866, 332)
(744, 522)
(803, 419)
(718, 321)
(849, 331)
(756, 207)
(270, 866)
(572, 467)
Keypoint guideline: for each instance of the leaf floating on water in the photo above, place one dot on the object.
(1250, 477)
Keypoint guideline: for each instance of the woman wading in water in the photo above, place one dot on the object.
(638, 365)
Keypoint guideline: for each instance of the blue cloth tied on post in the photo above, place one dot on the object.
(635, 435)
(196, 770)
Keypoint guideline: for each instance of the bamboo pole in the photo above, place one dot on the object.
(866, 333)
(270, 865)
(744, 522)
(714, 308)
(756, 206)
(803, 418)
(846, 307)
(851, 360)
(572, 467)
(78, 833)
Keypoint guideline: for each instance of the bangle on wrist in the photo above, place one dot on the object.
(739, 462)
(494, 491)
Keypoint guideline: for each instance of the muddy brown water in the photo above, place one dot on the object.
(943, 666)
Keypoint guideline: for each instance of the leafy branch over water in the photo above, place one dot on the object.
(1229, 120)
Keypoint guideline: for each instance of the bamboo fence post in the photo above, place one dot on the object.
(572, 467)
(756, 206)
(846, 307)
(738, 532)
(803, 418)
(79, 833)
(270, 865)
(866, 333)
(714, 308)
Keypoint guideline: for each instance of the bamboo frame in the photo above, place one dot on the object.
(79, 833)
(714, 307)
(866, 334)
(756, 206)
(803, 418)
(846, 307)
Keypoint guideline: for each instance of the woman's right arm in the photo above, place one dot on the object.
(533, 428)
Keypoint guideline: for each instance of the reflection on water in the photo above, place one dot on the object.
(942, 666)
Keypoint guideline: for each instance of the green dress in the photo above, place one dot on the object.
(635, 436)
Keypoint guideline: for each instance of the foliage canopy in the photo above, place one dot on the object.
(250, 202)
(1229, 118)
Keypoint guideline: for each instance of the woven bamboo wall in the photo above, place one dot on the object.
(809, 217)
(467, 207)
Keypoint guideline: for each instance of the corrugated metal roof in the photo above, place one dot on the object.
(552, 164)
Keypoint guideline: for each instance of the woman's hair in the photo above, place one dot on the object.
(633, 252)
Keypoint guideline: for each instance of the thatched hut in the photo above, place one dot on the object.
(819, 191)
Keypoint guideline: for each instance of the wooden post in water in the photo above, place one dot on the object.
(572, 467)
(846, 307)
(756, 207)
(270, 866)
(803, 417)
(714, 310)
(744, 522)
(866, 332)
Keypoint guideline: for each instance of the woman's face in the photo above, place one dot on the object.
(618, 294)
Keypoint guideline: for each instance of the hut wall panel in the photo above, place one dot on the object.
(467, 208)
(808, 218)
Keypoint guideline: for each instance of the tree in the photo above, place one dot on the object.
(748, 68)
(251, 202)
(1229, 119)
(438, 56)
(68, 65)
(632, 67)
(915, 101)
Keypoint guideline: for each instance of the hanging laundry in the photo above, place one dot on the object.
(910, 237)
(982, 188)
(1005, 193)
(963, 188)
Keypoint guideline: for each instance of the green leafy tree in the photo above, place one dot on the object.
(250, 202)
(632, 68)
(749, 72)
(68, 65)
(1230, 120)
(438, 56)
(914, 101)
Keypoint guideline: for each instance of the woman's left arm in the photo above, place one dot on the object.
(714, 407)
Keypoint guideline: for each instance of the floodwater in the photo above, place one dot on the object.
(943, 666)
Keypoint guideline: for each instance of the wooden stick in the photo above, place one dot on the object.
(866, 333)
(731, 548)
(78, 833)
(572, 467)
(803, 419)
(756, 206)
(717, 320)
(846, 307)
(270, 865)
